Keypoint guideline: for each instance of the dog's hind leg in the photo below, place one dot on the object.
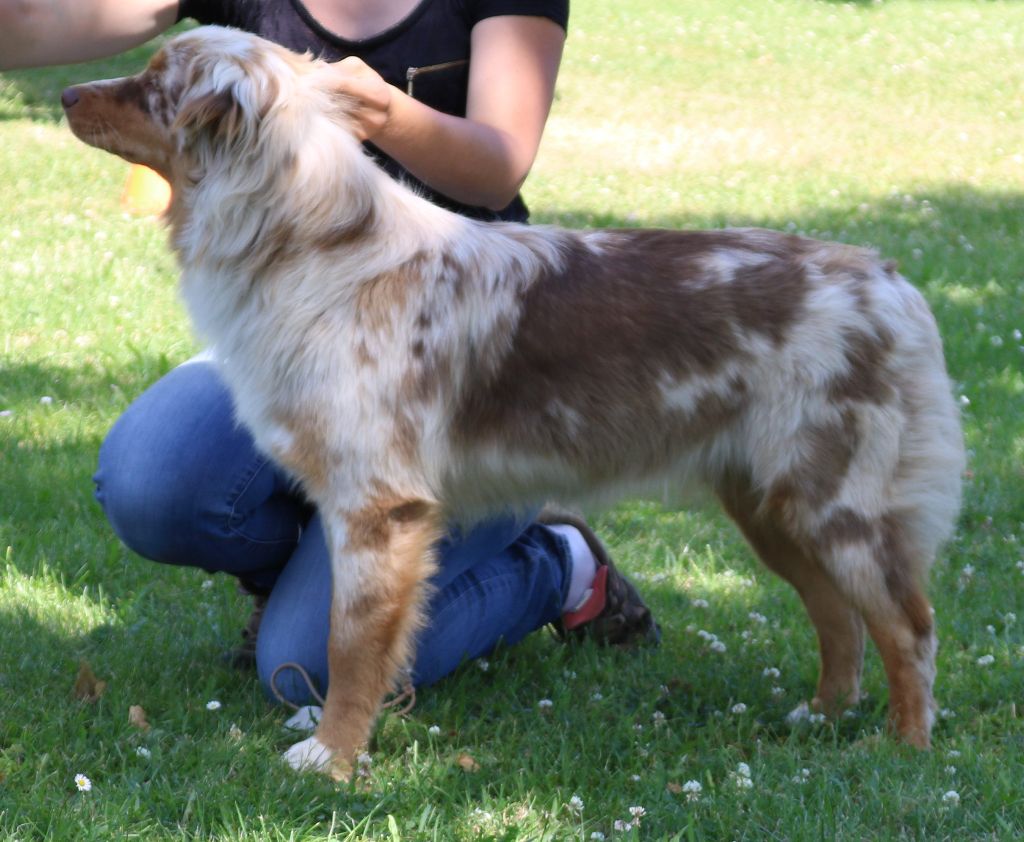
(836, 620)
(877, 562)
(381, 558)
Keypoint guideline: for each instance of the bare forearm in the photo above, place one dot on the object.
(480, 159)
(35, 33)
(468, 161)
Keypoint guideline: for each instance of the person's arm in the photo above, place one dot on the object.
(34, 33)
(481, 159)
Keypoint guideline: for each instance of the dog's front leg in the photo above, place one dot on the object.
(381, 556)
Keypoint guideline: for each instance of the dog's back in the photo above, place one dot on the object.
(666, 355)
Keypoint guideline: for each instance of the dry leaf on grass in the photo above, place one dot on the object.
(88, 688)
(674, 788)
(137, 717)
(467, 763)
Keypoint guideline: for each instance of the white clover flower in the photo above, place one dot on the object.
(142, 751)
(1017, 335)
(207, 584)
(739, 708)
(622, 826)
(693, 789)
(635, 778)
(951, 797)
(986, 660)
(718, 646)
(483, 664)
(637, 813)
(741, 777)
(6, 413)
(699, 603)
(46, 400)
(1010, 618)
(597, 836)
(545, 704)
(997, 341)
(950, 770)
(778, 692)
(802, 776)
(576, 804)
(706, 635)
(569, 674)
(213, 704)
(434, 730)
(82, 782)
(757, 618)
(952, 753)
(967, 572)
(946, 713)
(771, 672)
(990, 629)
(816, 718)
(595, 696)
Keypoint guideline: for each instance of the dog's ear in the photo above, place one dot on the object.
(215, 114)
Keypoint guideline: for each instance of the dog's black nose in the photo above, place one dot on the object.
(69, 97)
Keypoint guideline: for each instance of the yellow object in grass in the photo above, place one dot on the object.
(145, 192)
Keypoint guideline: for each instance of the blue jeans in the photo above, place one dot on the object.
(182, 483)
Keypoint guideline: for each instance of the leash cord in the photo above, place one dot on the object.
(401, 703)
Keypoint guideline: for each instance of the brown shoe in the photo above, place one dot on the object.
(613, 614)
(243, 656)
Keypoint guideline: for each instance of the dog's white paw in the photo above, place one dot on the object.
(309, 754)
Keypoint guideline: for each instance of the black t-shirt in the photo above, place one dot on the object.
(426, 55)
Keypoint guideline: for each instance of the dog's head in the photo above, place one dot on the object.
(209, 97)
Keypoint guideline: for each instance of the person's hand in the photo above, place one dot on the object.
(370, 93)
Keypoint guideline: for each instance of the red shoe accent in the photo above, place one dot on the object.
(595, 602)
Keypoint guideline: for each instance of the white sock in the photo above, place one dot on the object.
(584, 566)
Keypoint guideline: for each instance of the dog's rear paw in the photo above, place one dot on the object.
(309, 754)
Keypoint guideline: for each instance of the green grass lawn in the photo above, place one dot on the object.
(896, 124)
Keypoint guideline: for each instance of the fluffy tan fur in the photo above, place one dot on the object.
(408, 365)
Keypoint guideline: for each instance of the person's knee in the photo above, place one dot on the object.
(156, 460)
(136, 493)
